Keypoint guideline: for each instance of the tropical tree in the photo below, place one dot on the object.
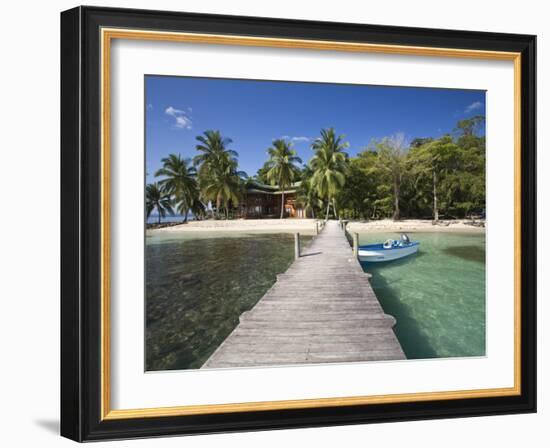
(434, 159)
(469, 126)
(282, 167)
(261, 174)
(179, 180)
(358, 197)
(223, 186)
(220, 181)
(157, 198)
(329, 166)
(213, 151)
(198, 209)
(463, 188)
(391, 163)
(307, 195)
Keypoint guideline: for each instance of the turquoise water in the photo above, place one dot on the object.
(436, 295)
(197, 286)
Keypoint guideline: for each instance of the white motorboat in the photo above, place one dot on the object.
(388, 250)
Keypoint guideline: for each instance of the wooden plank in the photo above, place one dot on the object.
(252, 338)
(336, 324)
(325, 332)
(322, 309)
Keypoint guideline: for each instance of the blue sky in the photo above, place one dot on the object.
(253, 113)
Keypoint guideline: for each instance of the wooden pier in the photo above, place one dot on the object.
(322, 309)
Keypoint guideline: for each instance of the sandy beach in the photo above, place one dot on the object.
(413, 225)
(307, 226)
(243, 225)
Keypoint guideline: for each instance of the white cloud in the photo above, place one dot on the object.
(181, 117)
(173, 111)
(296, 139)
(300, 139)
(474, 106)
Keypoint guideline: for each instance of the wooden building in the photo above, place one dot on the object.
(264, 201)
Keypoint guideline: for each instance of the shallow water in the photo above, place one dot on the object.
(199, 283)
(436, 295)
(197, 286)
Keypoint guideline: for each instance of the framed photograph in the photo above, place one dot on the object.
(273, 223)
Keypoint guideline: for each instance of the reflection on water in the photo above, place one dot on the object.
(197, 286)
(437, 295)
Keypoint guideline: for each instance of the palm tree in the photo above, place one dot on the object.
(157, 198)
(219, 179)
(179, 181)
(223, 185)
(198, 209)
(214, 151)
(329, 166)
(307, 196)
(282, 167)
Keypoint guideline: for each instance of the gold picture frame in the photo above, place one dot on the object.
(107, 33)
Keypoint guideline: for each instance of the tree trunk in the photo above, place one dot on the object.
(396, 201)
(328, 205)
(312, 213)
(282, 204)
(334, 208)
(218, 205)
(436, 211)
(158, 211)
(186, 213)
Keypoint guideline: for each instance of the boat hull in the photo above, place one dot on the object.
(379, 254)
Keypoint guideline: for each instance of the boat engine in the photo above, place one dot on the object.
(405, 239)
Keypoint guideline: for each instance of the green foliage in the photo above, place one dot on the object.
(179, 181)
(470, 126)
(198, 209)
(329, 166)
(420, 141)
(282, 168)
(261, 174)
(427, 178)
(357, 198)
(307, 196)
(157, 198)
(220, 181)
(391, 166)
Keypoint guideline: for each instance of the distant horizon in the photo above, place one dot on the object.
(253, 113)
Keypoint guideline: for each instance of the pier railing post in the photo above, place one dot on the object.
(316, 227)
(355, 244)
(296, 245)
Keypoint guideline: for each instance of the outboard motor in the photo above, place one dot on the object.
(405, 239)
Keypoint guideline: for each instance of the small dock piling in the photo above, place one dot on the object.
(296, 245)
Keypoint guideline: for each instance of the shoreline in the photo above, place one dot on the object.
(414, 225)
(309, 225)
(242, 225)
